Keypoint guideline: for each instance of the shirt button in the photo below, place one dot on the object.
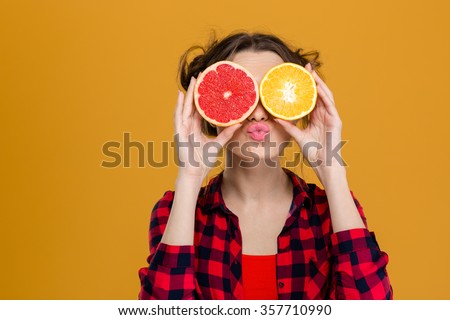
(281, 284)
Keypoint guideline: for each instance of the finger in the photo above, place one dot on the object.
(188, 101)
(308, 67)
(179, 107)
(227, 133)
(321, 83)
(293, 130)
(197, 119)
(296, 133)
(325, 100)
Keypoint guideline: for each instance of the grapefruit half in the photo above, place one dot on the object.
(288, 91)
(225, 93)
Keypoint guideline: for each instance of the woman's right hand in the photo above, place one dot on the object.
(196, 152)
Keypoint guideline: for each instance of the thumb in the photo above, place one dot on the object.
(226, 134)
(290, 128)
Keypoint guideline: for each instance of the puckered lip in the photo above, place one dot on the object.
(258, 127)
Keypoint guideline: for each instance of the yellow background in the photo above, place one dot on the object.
(76, 74)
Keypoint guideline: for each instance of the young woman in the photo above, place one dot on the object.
(260, 231)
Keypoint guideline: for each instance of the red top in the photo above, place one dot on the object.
(259, 276)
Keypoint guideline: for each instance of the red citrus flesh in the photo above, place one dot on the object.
(225, 93)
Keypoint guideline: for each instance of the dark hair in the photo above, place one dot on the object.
(218, 50)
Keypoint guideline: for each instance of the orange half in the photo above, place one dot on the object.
(288, 91)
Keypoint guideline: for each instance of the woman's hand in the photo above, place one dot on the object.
(196, 152)
(318, 146)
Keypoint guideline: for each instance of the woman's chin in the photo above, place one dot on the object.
(255, 158)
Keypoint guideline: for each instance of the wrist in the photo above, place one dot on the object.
(329, 175)
(194, 181)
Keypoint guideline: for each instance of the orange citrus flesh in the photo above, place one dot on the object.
(288, 91)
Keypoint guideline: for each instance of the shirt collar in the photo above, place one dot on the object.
(213, 195)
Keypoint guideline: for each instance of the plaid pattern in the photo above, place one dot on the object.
(312, 261)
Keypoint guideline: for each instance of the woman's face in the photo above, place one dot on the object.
(246, 145)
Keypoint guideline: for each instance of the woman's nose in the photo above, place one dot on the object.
(259, 114)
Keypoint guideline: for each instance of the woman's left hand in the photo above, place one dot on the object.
(320, 140)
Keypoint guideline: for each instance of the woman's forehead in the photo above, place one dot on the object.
(257, 62)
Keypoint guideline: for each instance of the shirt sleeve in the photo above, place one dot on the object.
(170, 273)
(358, 265)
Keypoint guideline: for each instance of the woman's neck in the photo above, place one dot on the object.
(257, 183)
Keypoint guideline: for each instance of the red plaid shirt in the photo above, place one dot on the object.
(312, 261)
